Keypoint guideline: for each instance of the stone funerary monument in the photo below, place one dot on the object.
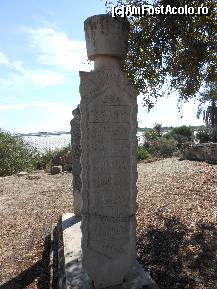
(104, 255)
(108, 158)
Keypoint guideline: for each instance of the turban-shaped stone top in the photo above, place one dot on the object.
(106, 36)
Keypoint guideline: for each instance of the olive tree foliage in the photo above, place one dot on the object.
(209, 113)
(172, 52)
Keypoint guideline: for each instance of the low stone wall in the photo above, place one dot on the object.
(201, 152)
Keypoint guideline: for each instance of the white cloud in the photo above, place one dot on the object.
(49, 106)
(3, 59)
(21, 76)
(43, 77)
(54, 116)
(165, 112)
(57, 49)
(46, 78)
(13, 106)
(50, 47)
(6, 99)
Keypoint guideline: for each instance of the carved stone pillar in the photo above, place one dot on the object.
(108, 159)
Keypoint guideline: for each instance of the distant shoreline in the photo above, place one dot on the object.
(43, 133)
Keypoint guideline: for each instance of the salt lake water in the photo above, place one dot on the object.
(46, 142)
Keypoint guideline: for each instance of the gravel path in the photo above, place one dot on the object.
(28, 208)
(176, 231)
(177, 223)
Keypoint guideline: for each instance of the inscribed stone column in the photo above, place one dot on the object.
(76, 165)
(108, 158)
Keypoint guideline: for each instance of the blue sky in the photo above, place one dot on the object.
(42, 49)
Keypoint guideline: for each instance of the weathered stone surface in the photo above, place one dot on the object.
(109, 140)
(110, 247)
(76, 165)
(70, 271)
(67, 167)
(108, 145)
(71, 274)
(56, 170)
(106, 36)
(201, 152)
(22, 174)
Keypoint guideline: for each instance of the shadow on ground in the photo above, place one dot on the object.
(178, 257)
(40, 271)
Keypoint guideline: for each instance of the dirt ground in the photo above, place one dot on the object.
(28, 208)
(176, 224)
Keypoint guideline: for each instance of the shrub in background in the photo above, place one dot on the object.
(213, 134)
(45, 159)
(159, 145)
(142, 153)
(205, 134)
(163, 147)
(182, 130)
(167, 147)
(15, 155)
(182, 134)
(153, 133)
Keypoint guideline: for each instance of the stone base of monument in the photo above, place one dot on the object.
(66, 266)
